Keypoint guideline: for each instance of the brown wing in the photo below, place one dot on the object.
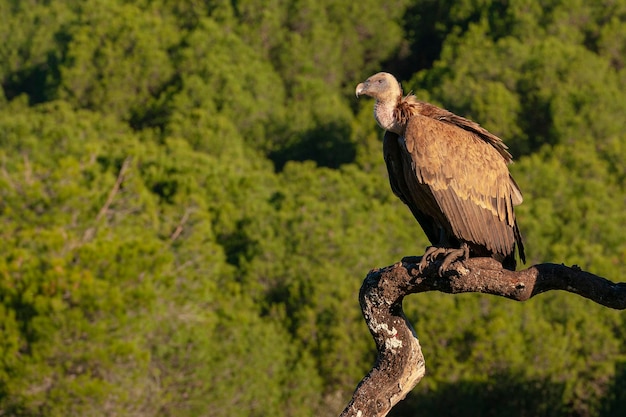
(468, 178)
(416, 200)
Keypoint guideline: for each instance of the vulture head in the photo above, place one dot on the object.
(382, 86)
(388, 94)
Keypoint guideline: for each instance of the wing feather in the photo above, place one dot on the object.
(396, 168)
(409, 106)
(472, 191)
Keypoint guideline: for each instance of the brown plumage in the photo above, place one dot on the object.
(451, 173)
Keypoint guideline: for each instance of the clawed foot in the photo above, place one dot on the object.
(449, 255)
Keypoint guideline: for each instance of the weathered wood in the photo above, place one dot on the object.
(400, 363)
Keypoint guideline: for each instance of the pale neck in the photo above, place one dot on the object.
(383, 112)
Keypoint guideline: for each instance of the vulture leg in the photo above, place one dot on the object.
(453, 255)
(449, 255)
(431, 253)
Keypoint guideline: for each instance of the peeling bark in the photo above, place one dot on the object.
(400, 364)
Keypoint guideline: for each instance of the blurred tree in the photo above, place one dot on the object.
(115, 59)
(30, 36)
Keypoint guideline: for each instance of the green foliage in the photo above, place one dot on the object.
(28, 41)
(190, 197)
(116, 58)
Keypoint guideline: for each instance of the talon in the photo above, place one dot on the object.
(430, 254)
(449, 255)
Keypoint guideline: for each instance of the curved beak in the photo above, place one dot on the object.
(359, 89)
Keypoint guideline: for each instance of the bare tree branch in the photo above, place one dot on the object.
(90, 232)
(400, 363)
(181, 226)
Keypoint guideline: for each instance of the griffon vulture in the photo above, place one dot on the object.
(451, 173)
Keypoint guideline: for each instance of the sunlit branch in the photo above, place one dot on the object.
(400, 363)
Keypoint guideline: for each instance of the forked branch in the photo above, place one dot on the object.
(400, 363)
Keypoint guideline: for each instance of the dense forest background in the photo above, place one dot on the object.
(191, 196)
